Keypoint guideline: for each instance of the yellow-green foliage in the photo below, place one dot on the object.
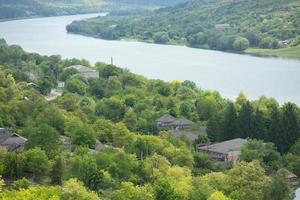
(181, 180)
(71, 190)
(34, 193)
(130, 192)
(244, 181)
(1, 183)
(74, 189)
(218, 196)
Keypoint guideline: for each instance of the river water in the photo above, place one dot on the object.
(225, 72)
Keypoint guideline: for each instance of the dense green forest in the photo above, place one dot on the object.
(231, 25)
(10, 9)
(119, 109)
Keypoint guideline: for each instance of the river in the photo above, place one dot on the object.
(225, 72)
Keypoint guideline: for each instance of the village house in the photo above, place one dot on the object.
(11, 141)
(227, 152)
(60, 85)
(181, 124)
(222, 26)
(285, 43)
(66, 144)
(176, 124)
(292, 179)
(165, 121)
(86, 71)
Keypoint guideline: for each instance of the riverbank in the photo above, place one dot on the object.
(291, 52)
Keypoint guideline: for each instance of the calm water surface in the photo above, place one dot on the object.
(297, 194)
(225, 72)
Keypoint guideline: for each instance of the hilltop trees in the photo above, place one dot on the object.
(261, 119)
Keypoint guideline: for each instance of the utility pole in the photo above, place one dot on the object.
(111, 60)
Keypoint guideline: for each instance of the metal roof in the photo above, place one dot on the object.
(225, 147)
(166, 119)
(182, 121)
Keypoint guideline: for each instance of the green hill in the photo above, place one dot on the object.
(10, 9)
(230, 25)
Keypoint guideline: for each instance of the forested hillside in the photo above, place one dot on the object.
(32, 8)
(231, 25)
(119, 109)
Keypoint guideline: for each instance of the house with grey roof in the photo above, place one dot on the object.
(227, 151)
(181, 124)
(11, 141)
(165, 121)
(169, 122)
(86, 71)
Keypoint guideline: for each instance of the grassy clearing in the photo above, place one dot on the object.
(291, 52)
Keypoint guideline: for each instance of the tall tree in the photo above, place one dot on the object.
(245, 120)
(57, 170)
(274, 131)
(260, 125)
(215, 127)
(290, 126)
(230, 123)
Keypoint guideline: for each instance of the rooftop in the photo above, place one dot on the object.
(182, 121)
(225, 147)
(11, 141)
(166, 119)
(81, 68)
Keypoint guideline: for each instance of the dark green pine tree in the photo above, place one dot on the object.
(215, 127)
(57, 170)
(245, 121)
(230, 123)
(261, 122)
(274, 130)
(290, 126)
